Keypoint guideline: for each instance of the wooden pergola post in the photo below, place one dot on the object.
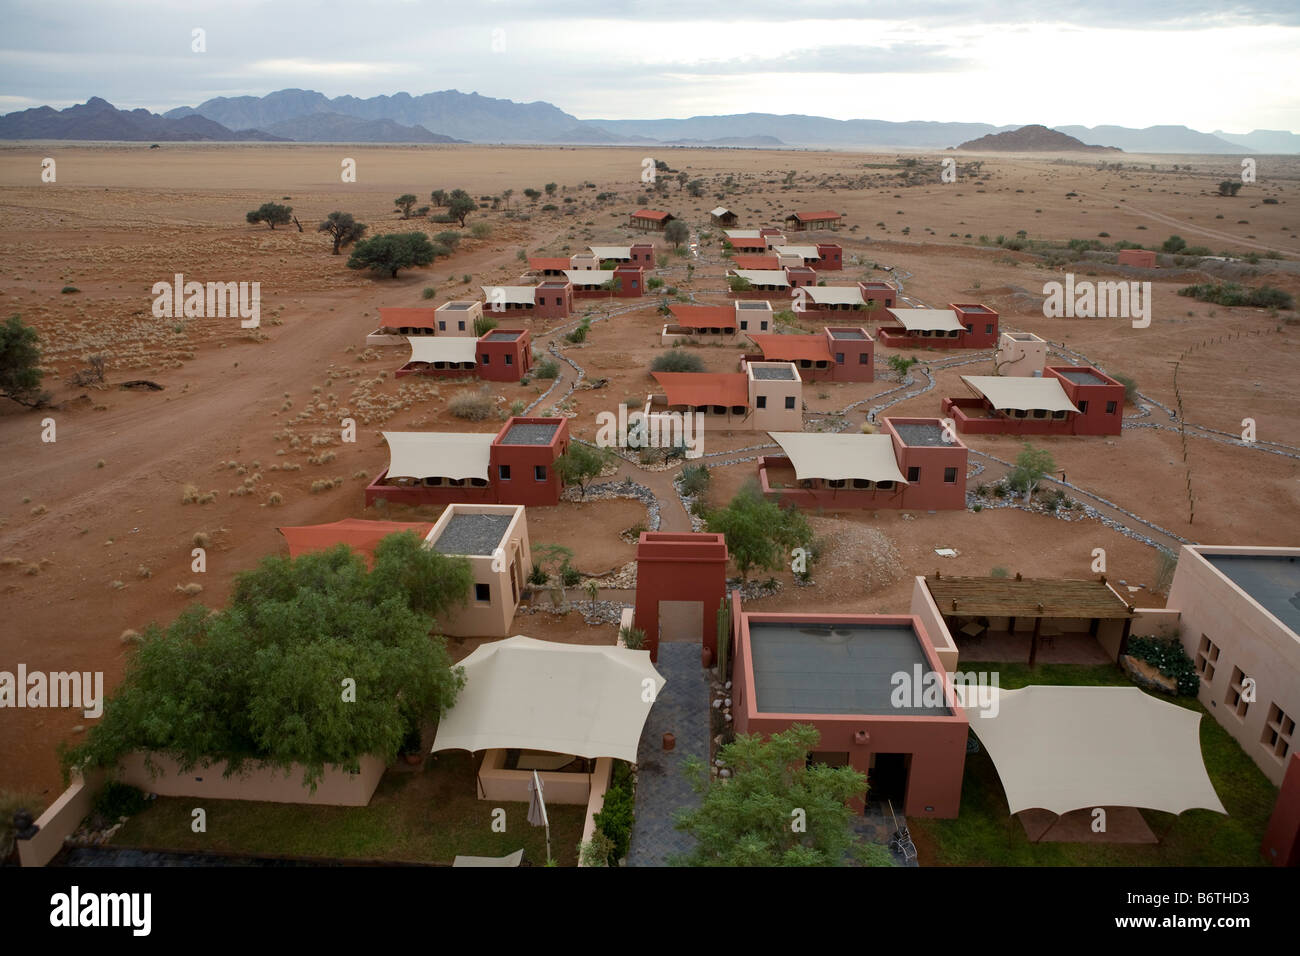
(1123, 640)
(1033, 640)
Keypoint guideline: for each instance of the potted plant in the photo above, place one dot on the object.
(411, 749)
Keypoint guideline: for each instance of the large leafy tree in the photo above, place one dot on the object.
(20, 364)
(391, 252)
(343, 229)
(460, 204)
(271, 213)
(759, 532)
(264, 680)
(775, 810)
(677, 232)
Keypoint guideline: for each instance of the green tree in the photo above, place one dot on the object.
(391, 252)
(404, 202)
(775, 810)
(271, 213)
(1229, 188)
(677, 360)
(1174, 244)
(550, 189)
(533, 194)
(266, 680)
(449, 238)
(759, 532)
(438, 197)
(696, 188)
(1032, 465)
(581, 463)
(460, 204)
(677, 232)
(900, 365)
(343, 229)
(505, 195)
(20, 364)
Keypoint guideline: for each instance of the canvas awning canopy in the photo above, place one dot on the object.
(803, 252)
(793, 348)
(585, 700)
(927, 320)
(581, 277)
(1071, 748)
(508, 294)
(513, 859)
(1020, 393)
(357, 533)
(701, 389)
(451, 349)
(835, 295)
(774, 277)
(835, 457)
(611, 252)
(1027, 598)
(438, 454)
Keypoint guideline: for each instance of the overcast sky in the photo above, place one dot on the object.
(1207, 64)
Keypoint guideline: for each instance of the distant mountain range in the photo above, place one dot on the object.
(451, 116)
(1032, 139)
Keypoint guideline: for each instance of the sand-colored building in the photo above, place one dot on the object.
(767, 396)
(494, 539)
(1020, 355)
(1239, 621)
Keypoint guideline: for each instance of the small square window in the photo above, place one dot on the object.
(762, 401)
(862, 358)
(1207, 655)
(482, 592)
(744, 324)
(461, 325)
(503, 472)
(539, 472)
(789, 401)
(988, 330)
(1110, 408)
(1083, 407)
(913, 473)
(442, 326)
(950, 476)
(1240, 688)
(839, 358)
(510, 360)
(485, 359)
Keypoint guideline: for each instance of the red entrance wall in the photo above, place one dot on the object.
(1137, 257)
(937, 745)
(504, 361)
(1281, 845)
(680, 567)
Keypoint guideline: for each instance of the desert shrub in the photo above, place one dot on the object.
(547, 368)
(1130, 387)
(116, 800)
(1233, 294)
(633, 637)
(569, 575)
(538, 576)
(1168, 657)
(429, 292)
(999, 572)
(472, 406)
(694, 480)
(615, 820)
(677, 360)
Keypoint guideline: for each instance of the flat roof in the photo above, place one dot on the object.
(506, 336)
(928, 433)
(754, 306)
(472, 534)
(974, 308)
(836, 668)
(525, 433)
(458, 306)
(773, 373)
(857, 334)
(1081, 377)
(1272, 580)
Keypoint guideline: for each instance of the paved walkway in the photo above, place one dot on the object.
(683, 709)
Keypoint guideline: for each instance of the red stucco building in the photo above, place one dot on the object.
(911, 463)
(501, 355)
(516, 466)
(960, 326)
(1066, 400)
(838, 354)
(872, 685)
(680, 567)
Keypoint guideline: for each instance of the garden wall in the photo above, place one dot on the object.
(337, 787)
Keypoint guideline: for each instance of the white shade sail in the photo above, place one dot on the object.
(450, 349)
(927, 320)
(1024, 394)
(803, 252)
(1073, 748)
(590, 701)
(835, 295)
(774, 277)
(834, 457)
(611, 252)
(438, 454)
(581, 277)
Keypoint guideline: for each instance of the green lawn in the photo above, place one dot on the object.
(425, 817)
(985, 834)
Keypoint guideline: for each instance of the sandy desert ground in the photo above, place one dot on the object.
(95, 539)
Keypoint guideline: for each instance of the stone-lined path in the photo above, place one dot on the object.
(661, 787)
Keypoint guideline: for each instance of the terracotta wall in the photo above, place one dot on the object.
(925, 610)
